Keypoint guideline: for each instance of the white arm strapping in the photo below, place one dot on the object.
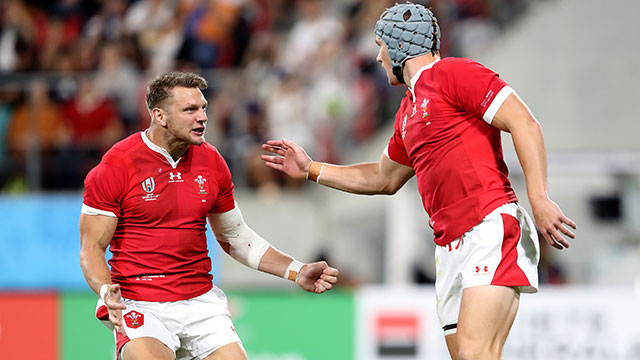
(246, 245)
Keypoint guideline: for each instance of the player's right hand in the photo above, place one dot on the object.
(115, 307)
(289, 158)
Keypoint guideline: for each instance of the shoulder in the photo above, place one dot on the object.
(459, 67)
(208, 153)
(123, 150)
(207, 150)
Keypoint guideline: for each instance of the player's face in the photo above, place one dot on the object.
(187, 115)
(384, 59)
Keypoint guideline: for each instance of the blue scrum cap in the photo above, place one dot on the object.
(408, 30)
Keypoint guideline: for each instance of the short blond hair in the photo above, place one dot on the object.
(159, 89)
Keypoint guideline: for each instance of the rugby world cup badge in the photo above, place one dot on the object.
(149, 186)
(201, 184)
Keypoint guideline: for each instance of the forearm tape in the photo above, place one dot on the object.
(246, 245)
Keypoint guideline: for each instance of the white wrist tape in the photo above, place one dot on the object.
(244, 244)
(103, 291)
(293, 270)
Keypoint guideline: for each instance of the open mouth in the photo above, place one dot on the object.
(198, 131)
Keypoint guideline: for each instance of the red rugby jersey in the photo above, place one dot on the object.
(442, 130)
(159, 247)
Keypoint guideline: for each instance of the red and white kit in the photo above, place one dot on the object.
(160, 257)
(159, 247)
(443, 131)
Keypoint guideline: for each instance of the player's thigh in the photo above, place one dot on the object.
(144, 348)
(233, 351)
(486, 315)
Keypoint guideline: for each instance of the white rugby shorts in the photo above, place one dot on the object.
(501, 250)
(192, 328)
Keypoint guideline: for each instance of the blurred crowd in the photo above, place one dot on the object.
(73, 76)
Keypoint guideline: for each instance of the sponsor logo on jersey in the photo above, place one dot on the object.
(201, 184)
(175, 177)
(134, 319)
(149, 185)
(481, 270)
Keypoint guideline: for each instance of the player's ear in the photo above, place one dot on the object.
(159, 117)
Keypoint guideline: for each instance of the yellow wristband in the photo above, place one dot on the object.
(315, 169)
(293, 270)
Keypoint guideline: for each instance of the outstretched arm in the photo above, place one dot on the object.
(515, 117)
(243, 244)
(95, 234)
(383, 177)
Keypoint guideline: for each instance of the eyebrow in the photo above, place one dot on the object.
(191, 106)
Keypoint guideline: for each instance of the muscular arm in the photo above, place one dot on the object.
(95, 234)
(515, 117)
(383, 177)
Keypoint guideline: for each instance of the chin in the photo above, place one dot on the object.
(197, 140)
(393, 81)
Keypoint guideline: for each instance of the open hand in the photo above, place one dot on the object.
(552, 223)
(289, 158)
(115, 307)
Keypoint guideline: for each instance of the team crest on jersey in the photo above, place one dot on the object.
(425, 108)
(134, 319)
(201, 184)
(149, 185)
(404, 125)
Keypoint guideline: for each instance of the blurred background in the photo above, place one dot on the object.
(72, 81)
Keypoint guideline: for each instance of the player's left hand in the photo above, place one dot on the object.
(552, 223)
(317, 277)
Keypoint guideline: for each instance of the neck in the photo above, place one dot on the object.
(413, 65)
(163, 139)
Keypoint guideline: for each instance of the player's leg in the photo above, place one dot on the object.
(452, 345)
(209, 332)
(144, 348)
(486, 316)
(233, 351)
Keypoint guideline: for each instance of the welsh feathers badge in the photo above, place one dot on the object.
(425, 108)
(201, 184)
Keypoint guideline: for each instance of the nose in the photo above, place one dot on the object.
(202, 116)
(379, 57)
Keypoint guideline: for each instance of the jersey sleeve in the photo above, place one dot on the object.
(104, 189)
(225, 200)
(395, 149)
(474, 88)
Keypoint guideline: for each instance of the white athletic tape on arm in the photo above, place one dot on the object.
(293, 270)
(103, 291)
(246, 245)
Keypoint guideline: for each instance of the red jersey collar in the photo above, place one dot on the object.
(158, 149)
(416, 76)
